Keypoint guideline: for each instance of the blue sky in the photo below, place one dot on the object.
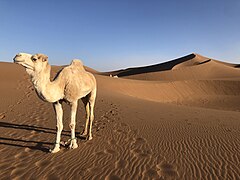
(114, 34)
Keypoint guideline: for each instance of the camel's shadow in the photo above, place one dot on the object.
(40, 145)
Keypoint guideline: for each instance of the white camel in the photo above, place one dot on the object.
(70, 84)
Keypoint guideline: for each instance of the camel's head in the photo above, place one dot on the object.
(32, 63)
(40, 62)
(25, 60)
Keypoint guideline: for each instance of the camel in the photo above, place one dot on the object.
(70, 84)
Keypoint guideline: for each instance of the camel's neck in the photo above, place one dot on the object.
(41, 78)
(46, 90)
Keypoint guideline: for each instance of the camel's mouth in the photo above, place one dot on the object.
(23, 64)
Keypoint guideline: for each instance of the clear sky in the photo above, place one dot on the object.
(113, 34)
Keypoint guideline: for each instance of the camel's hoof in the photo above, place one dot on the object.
(73, 144)
(89, 138)
(55, 150)
(85, 136)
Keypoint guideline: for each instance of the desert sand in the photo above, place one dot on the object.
(175, 120)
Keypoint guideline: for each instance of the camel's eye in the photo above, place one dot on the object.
(34, 59)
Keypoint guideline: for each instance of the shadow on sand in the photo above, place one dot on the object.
(40, 145)
(32, 128)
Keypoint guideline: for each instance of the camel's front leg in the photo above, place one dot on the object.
(72, 125)
(59, 114)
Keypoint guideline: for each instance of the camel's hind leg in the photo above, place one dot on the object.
(89, 102)
(92, 99)
(85, 101)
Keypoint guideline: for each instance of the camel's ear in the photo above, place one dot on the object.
(44, 58)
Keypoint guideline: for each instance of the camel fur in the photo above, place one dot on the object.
(70, 84)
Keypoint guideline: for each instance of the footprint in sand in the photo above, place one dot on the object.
(2, 116)
(17, 172)
(42, 163)
(100, 153)
(95, 169)
(110, 151)
(112, 177)
(53, 177)
(119, 131)
(139, 141)
(140, 148)
(120, 164)
(140, 153)
(166, 170)
(21, 155)
(112, 142)
(151, 174)
(106, 152)
(123, 125)
(5, 166)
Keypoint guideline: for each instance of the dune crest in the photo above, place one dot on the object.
(196, 60)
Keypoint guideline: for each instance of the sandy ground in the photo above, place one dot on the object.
(178, 120)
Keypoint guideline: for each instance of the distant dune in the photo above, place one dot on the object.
(173, 120)
(189, 67)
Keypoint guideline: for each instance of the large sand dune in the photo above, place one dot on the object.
(174, 120)
(189, 67)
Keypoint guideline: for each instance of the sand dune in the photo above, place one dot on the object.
(201, 93)
(154, 68)
(179, 122)
(210, 69)
(190, 67)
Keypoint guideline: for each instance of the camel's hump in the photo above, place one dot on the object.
(77, 62)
